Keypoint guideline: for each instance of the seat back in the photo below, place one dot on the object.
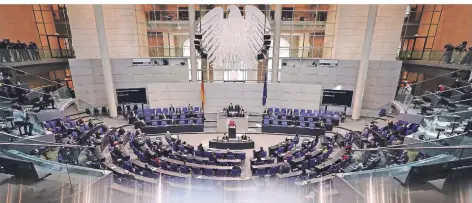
(266, 122)
(208, 172)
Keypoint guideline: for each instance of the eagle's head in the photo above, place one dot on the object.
(233, 11)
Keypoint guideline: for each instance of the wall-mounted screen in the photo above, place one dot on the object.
(131, 95)
(337, 97)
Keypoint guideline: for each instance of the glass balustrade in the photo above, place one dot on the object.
(21, 55)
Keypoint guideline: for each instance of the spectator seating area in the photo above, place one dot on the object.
(300, 117)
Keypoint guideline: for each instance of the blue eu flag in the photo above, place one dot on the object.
(264, 92)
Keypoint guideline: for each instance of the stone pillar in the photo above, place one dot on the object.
(107, 74)
(276, 45)
(193, 51)
(364, 64)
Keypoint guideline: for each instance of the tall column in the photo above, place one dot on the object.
(276, 45)
(193, 51)
(364, 64)
(107, 75)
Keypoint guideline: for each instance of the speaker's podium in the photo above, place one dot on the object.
(222, 124)
(232, 132)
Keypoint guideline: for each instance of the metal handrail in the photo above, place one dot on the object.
(408, 148)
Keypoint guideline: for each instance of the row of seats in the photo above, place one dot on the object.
(302, 112)
(160, 111)
(174, 117)
(268, 122)
(198, 121)
(303, 118)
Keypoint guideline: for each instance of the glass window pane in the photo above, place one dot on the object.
(429, 42)
(46, 7)
(432, 30)
(436, 17)
(48, 17)
(41, 29)
(37, 15)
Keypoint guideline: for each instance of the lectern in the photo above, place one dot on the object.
(232, 129)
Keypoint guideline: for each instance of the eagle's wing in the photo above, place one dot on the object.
(256, 26)
(211, 26)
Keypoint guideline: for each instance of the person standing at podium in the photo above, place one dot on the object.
(231, 124)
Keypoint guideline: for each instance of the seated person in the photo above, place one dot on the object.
(178, 111)
(230, 107)
(237, 107)
(288, 156)
(244, 137)
(80, 122)
(289, 112)
(285, 168)
(241, 112)
(228, 152)
(171, 109)
(47, 99)
(90, 124)
(266, 111)
(225, 137)
(121, 131)
(200, 148)
(21, 119)
(212, 157)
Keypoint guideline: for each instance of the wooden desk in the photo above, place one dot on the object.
(194, 165)
(222, 178)
(267, 165)
(315, 180)
(160, 170)
(116, 169)
(121, 171)
(291, 174)
(191, 156)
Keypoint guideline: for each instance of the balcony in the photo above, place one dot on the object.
(19, 57)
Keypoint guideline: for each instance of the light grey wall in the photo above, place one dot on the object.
(88, 77)
(381, 83)
(301, 84)
(178, 94)
(249, 96)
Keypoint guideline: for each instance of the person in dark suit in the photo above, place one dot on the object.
(244, 137)
(171, 109)
(285, 168)
(200, 148)
(179, 111)
(237, 107)
(230, 107)
(190, 108)
(212, 157)
(121, 131)
(266, 111)
(47, 99)
(228, 152)
(289, 112)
